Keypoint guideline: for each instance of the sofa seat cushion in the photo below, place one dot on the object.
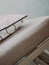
(25, 40)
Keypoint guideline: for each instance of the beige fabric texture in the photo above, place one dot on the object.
(26, 39)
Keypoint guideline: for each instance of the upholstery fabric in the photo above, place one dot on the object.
(25, 40)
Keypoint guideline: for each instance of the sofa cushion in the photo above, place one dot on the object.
(25, 40)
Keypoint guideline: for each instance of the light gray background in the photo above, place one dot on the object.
(32, 8)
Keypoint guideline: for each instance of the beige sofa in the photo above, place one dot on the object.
(31, 34)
